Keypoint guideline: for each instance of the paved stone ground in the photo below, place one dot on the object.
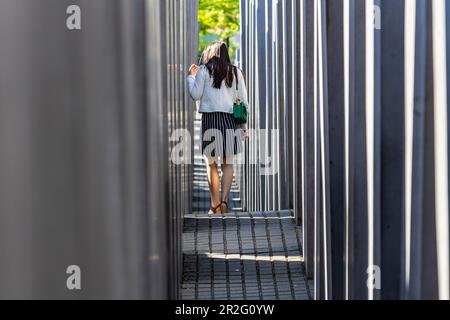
(243, 256)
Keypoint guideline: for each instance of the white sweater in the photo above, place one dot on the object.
(212, 99)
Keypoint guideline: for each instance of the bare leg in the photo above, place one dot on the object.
(227, 180)
(213, 181)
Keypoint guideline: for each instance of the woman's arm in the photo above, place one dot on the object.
(242, 92)
(243, 96)
(197, 84)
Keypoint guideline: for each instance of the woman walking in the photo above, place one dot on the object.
(218, 84)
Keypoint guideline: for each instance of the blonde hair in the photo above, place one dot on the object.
(213, 51)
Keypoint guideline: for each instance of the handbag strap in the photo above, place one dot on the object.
(237, 84)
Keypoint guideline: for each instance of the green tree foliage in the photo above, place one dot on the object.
(218, 19)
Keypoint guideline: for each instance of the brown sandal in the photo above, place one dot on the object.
(226, 207)
(215, 210)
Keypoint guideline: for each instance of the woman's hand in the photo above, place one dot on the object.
(245, 133)
(193, 70)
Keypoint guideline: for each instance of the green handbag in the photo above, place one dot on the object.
(240, 112)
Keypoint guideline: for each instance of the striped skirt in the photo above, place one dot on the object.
(221, 137)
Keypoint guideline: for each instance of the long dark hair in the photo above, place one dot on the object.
(218, 62)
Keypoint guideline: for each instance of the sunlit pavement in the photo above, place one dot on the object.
(254, 256)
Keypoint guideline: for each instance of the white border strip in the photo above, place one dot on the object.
(441, 146)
